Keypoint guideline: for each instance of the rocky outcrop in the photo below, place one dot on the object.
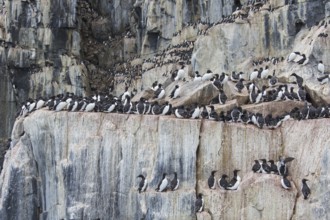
(55, 170)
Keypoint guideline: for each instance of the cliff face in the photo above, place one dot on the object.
(84, 166)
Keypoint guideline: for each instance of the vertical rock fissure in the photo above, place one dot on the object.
(295, 203)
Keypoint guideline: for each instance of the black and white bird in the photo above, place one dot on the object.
(265, 168)
(175, 182)
(292, 56)
(175, 92)
(302, 60)
(208, 75)
(272, 80)
(285, 182)
(166, 109)
(195, 112)
(211, 180)
(320, 67)
(239, 85)
(143, 183)
(180, 74)
(235, 181)
(222, 97)
(301, 94)
(223, 183)
(282, 166)
(204, 113)
(125, 94)
(323, 79)
(235, 76)
(197, 77)
(213, 115)
(305, 189)
(160, 92)
(254, 75)
(273, 167)
(223, 78)
(256, 166)
(236, 114)
(162, 186)
(299, 79)
(156, 108)
(154, 86)
(90, 106)
(199, 204)
(140, 106)
(264, 73)
(180, 112)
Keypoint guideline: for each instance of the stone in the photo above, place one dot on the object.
(274, 108)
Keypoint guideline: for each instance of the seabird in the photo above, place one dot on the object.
(160, 92)
(204, 113)
(299, 79)
(155, 109)
(143, 183)
(264, 73)
(235, 181)
(285, 182)
(265, 168)
(236, 114)
(281, 165)
(196, 112)
(256, 166)
(222, 97)
(180, 74)
(125, 94)
(199, 204)
(254, 74)
(239, 85)
(211, 180)
(61, 105)
(302, 60)
(273, 167)
(305, 189)
(213, 114)
(127, 105)
(154, 86)
(272, 80)
(292, 56)
(162, 184)
(216, 81)
(40, 103)
(223, 78)
(323, 79)
(223, 183)
(235, 77)
(320, 67)
(197, 76)
(208, 75)
(301, 94)
(166, 109)
(180, 112)
(175, 182)
(140, 106)
(175, 92)
(90, 106)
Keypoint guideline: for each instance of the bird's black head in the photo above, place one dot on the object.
(141, 176)
(224, 175)
(208, 71)
(176, 86)
(256, 161)
(164, 175)
(213, 172)
(200, 195)
(320, 61)
(304, 180)
(236, 171)
(264, 160)
(271, 161)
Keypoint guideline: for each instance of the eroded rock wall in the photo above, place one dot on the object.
(84, 166)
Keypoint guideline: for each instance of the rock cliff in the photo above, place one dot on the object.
(85, 166)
